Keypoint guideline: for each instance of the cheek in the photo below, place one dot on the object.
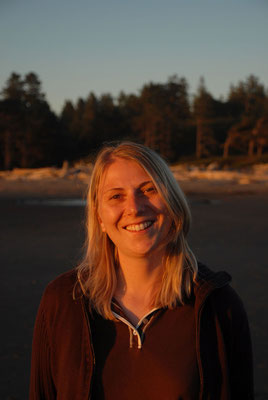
(107, 218)
(167, 220)
(161, 208)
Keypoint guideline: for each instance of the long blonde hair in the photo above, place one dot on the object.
(97, 271)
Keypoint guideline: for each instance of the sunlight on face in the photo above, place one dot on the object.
(131, 211)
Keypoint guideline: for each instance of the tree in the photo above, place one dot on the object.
(204, 114)
(247, 97)
(32, 89)
(14, 88)
(66, 120)
(11, 118)
(260, 133)
(247, 102)
(164, 111)
(237, 137)
(92, 122)
(130, 108)
(10, 126)
(30, 131)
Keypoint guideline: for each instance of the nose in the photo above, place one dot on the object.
(134, 204)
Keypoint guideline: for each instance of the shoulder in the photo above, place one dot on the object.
(60, 290)
(227, 303)
(60, 319)
(229, 308)
(227, 298)
(59, 309)
(214, 287)
(63, 281)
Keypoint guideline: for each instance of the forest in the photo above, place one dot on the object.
(163, 116)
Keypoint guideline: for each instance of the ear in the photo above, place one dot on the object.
(101, 224)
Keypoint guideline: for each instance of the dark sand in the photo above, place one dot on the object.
(38, 242)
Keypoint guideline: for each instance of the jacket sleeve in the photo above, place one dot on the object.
(235, 327)
(41, 382)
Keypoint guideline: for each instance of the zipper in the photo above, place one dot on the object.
(91, 345)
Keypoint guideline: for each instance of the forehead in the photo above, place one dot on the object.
(123, 172)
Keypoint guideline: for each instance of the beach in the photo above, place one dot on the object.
(42, 236)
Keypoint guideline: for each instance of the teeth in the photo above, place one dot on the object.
(139, 227)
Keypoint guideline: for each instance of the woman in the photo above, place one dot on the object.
(139, 318)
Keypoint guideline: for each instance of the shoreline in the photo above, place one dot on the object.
(72, 182)
(76, 189)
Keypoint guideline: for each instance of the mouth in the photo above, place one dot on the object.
(139, 227)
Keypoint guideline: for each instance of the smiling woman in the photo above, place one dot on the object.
(139, 317)
(132, 212)
(130, 185)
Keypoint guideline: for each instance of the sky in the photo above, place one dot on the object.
(107, 46)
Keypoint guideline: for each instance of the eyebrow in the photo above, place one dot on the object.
(120, 188)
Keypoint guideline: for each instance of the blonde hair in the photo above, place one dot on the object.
(97, 271)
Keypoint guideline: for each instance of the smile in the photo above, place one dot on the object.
(139, 227)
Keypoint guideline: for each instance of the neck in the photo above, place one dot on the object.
(137, 275)
(138, 280)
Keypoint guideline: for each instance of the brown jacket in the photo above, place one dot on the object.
(63, 357)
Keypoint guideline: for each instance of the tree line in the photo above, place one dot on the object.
(163, 116)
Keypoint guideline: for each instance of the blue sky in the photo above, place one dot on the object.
(78, 46)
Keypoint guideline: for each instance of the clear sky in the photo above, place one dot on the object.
(78, 46)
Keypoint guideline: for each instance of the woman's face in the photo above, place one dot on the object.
(131, 211)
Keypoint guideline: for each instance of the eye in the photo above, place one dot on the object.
(115, 196)
(150, 189)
